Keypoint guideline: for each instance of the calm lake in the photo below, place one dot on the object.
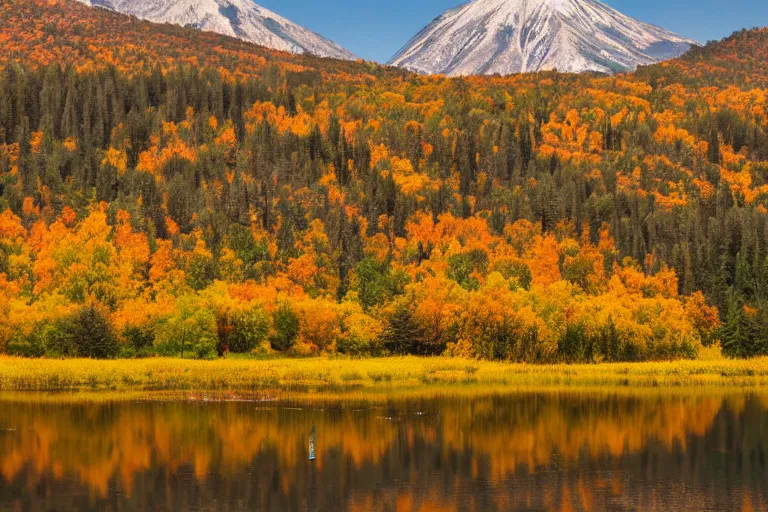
(525, 451)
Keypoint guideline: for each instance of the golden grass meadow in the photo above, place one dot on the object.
(367, 376)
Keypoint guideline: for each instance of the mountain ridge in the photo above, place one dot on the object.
(511, 36)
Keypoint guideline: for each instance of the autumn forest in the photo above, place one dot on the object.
(191, 195)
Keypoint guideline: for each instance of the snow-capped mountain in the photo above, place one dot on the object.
(512, 36)
(237, 18)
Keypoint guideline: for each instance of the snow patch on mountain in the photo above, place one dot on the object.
(237, 18)
(513, 36)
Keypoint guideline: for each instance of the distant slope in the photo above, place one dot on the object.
(739, 60)
(237, 18)
(512, 36)
(42, 32)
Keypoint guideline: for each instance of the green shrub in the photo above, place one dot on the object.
(25, 347)
(190, 331)
(85, 333)
(52, 339)
(58, 338)
(357, 346)
(139, 341)
(139, 337)
(286, 328)
(128, 352)
(248, 329)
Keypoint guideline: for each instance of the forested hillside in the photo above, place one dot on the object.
(172, 192)
(738, 60)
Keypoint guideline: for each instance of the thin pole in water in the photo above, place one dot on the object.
(312, 438)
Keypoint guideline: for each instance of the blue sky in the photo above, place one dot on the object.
(376, 29)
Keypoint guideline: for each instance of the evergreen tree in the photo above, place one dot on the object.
(403, 334)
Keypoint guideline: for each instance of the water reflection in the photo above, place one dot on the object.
(564, 451)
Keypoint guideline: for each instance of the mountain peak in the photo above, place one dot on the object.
(237, 18)
(512, 36)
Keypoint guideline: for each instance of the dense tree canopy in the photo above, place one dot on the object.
(200, 195)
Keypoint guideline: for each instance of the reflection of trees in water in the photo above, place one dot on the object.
(549, 451)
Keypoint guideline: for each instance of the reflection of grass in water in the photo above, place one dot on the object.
(367, 375)
(355, 397)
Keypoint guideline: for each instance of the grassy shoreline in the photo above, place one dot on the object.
(366, 376)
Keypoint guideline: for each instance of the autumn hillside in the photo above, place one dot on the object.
(166, 192)
(41, 32)
(738, 60)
